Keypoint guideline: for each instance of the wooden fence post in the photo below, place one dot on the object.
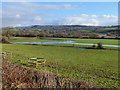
(36, 61)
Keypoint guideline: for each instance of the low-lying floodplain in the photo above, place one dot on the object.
(97, 66)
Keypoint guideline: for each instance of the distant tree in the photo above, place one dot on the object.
(41, 34)
(99, 45)
(94, 46)
(9, 31)
(5, 40)
(103, 37)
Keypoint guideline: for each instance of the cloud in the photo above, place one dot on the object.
(91, 20)
(18, 25)
(17, 16)
(46, 6)
(78, 20)
(100, 16)
(24, 13)
(108, 16)
(14, 0)
(60, 1)
(84, 15)
(94, 16)
(37, 18)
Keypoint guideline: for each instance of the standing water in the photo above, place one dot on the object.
(60, 42)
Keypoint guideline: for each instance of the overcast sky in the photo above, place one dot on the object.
(59, 13)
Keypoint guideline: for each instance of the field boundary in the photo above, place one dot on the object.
(15, 76)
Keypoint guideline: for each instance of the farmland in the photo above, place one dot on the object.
(33, 40)
(92, 41)
(76, 40)
(59, 45)
(103, 41)
(99, 66)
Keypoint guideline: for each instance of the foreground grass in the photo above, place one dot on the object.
(19, 77)
(99, 66)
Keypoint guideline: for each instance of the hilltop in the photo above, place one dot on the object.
(71, 28)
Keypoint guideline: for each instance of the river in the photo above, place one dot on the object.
(62, 42)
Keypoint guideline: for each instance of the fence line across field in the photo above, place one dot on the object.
(36, 61)
(31, 61)
(6, 55)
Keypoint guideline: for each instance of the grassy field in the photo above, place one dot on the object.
(77, 46)
(33, 40)
(92, 41)
(103, 41)
(99, 66)
(16, 37)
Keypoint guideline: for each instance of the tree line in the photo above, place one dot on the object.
(7, 32)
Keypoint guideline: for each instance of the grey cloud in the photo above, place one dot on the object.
(48, 6)
(14, 14)
(24, 13)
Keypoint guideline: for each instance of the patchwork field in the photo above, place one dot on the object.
(99, 66)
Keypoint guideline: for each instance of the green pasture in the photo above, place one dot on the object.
(103, 41)
(98, 66)
(16, 37)
(77, 40)
(33, 40)
(76, 46)
(92, 41)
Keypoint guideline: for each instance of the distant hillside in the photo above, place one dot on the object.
(71, 29)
